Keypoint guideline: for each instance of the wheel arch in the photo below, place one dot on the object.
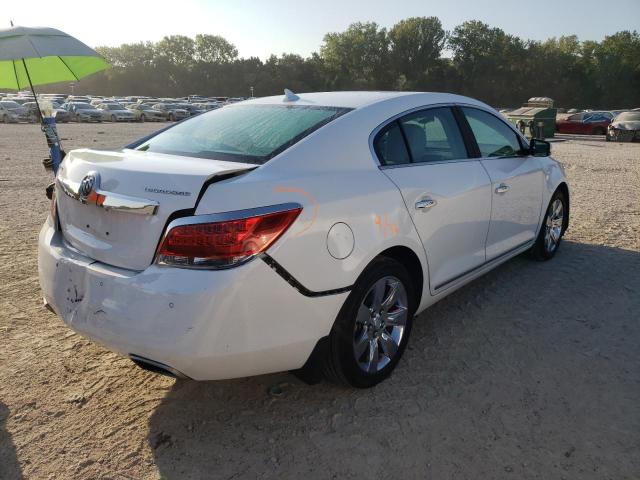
(409, 260)
(564, 188)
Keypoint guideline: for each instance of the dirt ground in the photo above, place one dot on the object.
(532, 371)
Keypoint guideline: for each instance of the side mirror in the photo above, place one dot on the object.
(539, 148)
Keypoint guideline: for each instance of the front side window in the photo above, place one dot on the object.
(433, 136)
(493, 136)
(242, 133)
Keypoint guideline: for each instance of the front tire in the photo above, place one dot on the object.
(373, 326)
(142, 118)
(113, 119)
(172, 117)
(552, 229)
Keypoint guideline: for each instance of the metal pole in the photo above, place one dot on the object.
(35, 97)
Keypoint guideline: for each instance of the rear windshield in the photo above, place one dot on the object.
(242, 133)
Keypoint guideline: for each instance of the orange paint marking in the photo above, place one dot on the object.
(308, 196)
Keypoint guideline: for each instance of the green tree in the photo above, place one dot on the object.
(214, 49)
(177, 49)
(357, 58)
(416, 45)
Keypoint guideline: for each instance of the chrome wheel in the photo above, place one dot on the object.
(553, 225)
(380, 324)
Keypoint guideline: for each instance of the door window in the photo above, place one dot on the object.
(390, 147)
(433, 136)
(494, 137)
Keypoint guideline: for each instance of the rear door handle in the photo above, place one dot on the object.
(502, 188)
(425, 204)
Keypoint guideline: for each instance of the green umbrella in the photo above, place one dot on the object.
(37, 56)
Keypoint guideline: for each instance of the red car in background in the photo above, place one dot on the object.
(585, 123)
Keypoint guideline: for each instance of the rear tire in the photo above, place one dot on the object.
(172, 117)
(113, 118)
(142, 119)
(552, 229)
(372, 329)
(599, 131)
(5, 119)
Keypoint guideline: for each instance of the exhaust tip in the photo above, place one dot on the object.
(157, 367)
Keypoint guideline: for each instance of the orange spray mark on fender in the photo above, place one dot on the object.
(309, 197)
(385, 227)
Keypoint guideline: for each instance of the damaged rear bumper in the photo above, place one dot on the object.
(204, 324)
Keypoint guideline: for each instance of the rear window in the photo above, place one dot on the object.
(242, 133)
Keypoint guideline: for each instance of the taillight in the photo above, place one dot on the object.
(223, 244)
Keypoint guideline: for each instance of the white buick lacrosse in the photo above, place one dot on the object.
(296, 232)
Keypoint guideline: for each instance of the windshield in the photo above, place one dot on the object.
(83, 106)
(628, 117)
(243, 133)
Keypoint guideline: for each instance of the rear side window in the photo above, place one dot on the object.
(494, 137)
(433, 136)
(242, 133)
(390, 147)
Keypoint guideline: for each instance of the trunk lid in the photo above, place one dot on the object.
(120, 220)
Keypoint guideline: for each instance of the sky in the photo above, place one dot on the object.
(260, 28)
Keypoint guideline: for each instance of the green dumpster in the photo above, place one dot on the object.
(532, 113)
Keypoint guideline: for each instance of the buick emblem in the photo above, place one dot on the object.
(89, 184)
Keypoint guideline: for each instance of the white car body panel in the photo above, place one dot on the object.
(253, 319)
(106, 235)
(454, 231)
(515, 214)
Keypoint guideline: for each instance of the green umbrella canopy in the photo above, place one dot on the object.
(49, 55)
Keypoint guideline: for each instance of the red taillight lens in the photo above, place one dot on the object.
(223, 244)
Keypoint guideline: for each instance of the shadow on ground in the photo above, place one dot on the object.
(9, 466)
(503, 379)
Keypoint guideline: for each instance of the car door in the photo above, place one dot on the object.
(447, 193)
(516, 182)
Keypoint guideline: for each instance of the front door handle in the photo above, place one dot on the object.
(425, 204)
(502, 188)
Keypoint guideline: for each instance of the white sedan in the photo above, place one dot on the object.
(293, 233)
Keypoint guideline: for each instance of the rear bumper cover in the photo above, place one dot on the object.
(206, 324)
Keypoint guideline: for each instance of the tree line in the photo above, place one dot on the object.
(473, 59)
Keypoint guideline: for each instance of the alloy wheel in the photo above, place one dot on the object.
(553, 225)
(380, 324)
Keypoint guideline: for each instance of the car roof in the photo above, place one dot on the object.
(354, 100)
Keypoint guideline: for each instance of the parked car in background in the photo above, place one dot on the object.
(146, 113)
(625, 127)
(208, 106)
(586, 123)
(171, 111)
(114, 112)
(32, 110)
(8, 115)
(83, 112)
(78, 98)
(339, 217)
(192, 108)
(18, 112)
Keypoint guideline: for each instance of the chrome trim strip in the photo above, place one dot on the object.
(109, 200)
(232, 215)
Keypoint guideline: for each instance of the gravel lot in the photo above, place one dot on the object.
(532, 371)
